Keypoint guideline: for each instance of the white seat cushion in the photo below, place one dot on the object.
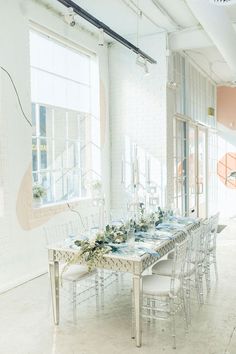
(76, 272)
(157, 285)
(165, 268)
(170, 255)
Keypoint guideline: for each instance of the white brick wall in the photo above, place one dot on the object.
(138, 110)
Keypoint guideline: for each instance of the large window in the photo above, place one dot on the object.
(65, 119)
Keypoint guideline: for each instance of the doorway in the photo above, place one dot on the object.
(190, 167)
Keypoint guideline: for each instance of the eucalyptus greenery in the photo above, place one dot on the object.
(144, 221)
(91, 251)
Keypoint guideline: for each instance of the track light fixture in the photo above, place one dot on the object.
(146, 68)
(101, 39)
(143, 63)
(69, 17)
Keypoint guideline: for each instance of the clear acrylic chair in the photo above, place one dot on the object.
(105, 277)
(163, 296)
(83, 284)
(193, 271)
(211, 249)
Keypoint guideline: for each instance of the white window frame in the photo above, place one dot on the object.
(88, 173)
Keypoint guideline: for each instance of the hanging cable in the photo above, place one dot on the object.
(138, 18)
(17, 95)
(78, 213)
(133, 6)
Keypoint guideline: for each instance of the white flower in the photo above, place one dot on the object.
(38, 191)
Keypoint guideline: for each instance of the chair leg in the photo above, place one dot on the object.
(117, 282)
(208, 276)
(132, 316)
(183, 299)
(200, 279)
(187, 296)
(149, 310)
(122, 280)
(96, 281)
(102, 287)
(173, 331)
(215, 265)
(197, 287)
(74, 301)
(199, 284)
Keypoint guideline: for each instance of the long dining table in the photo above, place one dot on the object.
(135, 264)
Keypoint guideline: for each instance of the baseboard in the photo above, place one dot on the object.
(11, 285)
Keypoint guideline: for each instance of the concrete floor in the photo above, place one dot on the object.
(26, 325)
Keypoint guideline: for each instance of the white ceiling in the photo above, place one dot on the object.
(173, 16)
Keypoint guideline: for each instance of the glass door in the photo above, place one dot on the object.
(202, 172)
(192, 171)
(190, 168)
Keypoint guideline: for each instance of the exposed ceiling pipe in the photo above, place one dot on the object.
(166, 14)
(219, 28)
(189, 38)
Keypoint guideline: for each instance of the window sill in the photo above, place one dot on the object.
(72, 202)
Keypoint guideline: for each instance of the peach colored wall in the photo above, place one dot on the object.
(226, 150)
(226, 106)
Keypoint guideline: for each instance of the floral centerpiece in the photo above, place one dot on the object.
(157, 216)
(93, 250)
(142, 223)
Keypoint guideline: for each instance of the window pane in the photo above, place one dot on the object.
(34, 155)
(33, 118)
(58, 183)
(73, 184)
(45, 181)
(72, 155)
(60, 123)
(60, 59)
(35, 178)
(60, 154)
(73, 128)
(83, 122)
(43, 153)
(42, 120)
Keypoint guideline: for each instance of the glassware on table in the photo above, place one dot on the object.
(70, 240)
(176, 212)
(93, 232)
(131, 237)
(152, 226)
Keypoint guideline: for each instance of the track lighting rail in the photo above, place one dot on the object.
(95, 22)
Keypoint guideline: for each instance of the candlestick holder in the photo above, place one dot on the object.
(152, 197)
(99, 202)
